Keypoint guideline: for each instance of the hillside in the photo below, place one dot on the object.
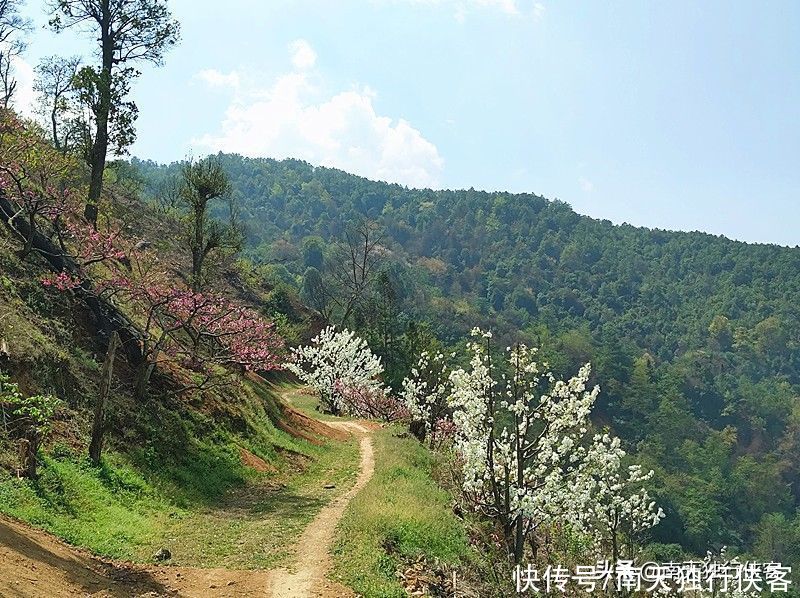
(207, 467)
(520, 260)
(694, 338)
(230, 467)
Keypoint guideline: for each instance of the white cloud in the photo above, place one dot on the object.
(293, 118)
(586, 184)
(507, 6)
(215, 78)
(303, 55)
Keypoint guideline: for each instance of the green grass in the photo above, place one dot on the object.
(184, 488)
(400, 515)
(254, 525)
(112, 510)
(307, 402)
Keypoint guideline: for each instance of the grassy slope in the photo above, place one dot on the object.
(401, 515)
(172, 474)
(205, 506)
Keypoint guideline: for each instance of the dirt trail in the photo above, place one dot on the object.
(34, 563)
(308, 576)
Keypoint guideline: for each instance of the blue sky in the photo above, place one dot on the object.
(678, 115)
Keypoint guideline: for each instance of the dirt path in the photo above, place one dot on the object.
(34, 563)
(308, 576)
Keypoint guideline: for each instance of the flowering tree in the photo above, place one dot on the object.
(335, 362)
(527, 456)
(370, 402)
(426, 393)
(620, 506)
(207, 333)
(219, 330)
(85, 246)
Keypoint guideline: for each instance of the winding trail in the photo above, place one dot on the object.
(308, 576)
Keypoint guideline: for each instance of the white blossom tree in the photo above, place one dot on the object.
(620, 506)
(335, 365)
(528, 458)
(426, 393)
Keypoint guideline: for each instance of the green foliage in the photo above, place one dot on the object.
(20, 412)
(111, 510)
(202, 182)
(178, 480)
(778, 538)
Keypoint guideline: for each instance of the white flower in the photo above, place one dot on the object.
(336, 358)
(544, 459)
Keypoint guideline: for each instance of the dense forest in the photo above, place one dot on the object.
(694, 338)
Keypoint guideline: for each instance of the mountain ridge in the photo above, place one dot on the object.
(498, 191)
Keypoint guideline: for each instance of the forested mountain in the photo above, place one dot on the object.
(694, 338)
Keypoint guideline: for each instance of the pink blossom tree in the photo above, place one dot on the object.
(207, 333)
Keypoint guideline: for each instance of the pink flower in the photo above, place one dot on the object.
(61, 281)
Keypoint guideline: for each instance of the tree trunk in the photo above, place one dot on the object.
(418, 429)
(614, 557)
(98, 159)
(197, 267)
(99, 425)
(519, 540)
(28, 246)
(198, 254)
(54, 124)
(519, 544)
(100, 145)
(143, 379)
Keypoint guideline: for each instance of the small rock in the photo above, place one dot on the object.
(162, 555)
(329, 486)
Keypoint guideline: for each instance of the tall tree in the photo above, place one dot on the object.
(313, 292)
(353, 266)
(128, 32)
(203, 182)
(13, 28)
